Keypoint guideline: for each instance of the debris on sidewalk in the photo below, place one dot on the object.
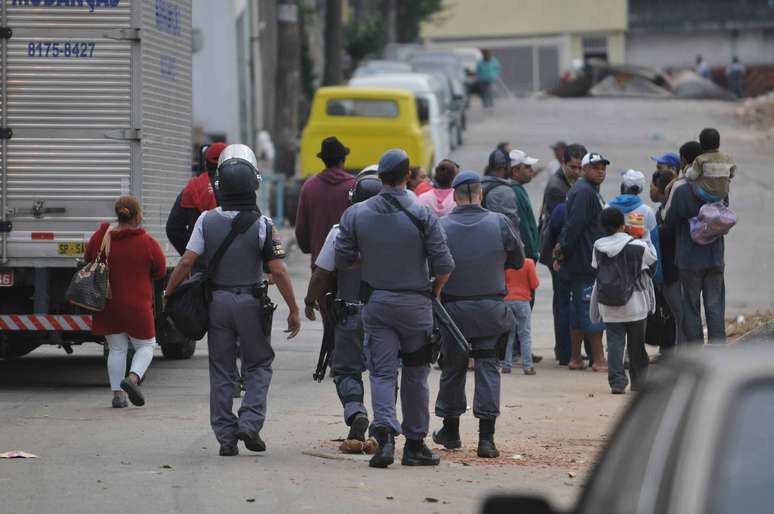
(18, 454)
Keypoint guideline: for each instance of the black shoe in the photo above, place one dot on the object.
(486, 445)
(133, 391)
(416, 453)
(119, 403)
(386, 454)
(252, 440)
(487, 449)
(536, 358)
(449, 435)
(358, 427)
(228, 451)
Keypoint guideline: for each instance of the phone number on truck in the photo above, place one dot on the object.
(82, 49)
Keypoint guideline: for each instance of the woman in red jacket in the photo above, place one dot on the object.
(135, 258)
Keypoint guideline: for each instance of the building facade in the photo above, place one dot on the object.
(534, 40)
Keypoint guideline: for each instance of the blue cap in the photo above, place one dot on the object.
(669, 158)
(391, 159)
(466, 177)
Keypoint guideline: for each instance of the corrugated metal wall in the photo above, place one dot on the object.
(166, 108)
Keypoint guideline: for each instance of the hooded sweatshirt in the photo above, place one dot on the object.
(324, 198)
(643, 299)
(440, 201)
(641, 223)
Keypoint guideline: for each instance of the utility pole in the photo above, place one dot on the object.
(390, 8)
(257, 68)
(268, 49)
(333, 43)
(287, 86)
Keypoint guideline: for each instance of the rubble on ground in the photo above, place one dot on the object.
(689, 84)
(758, 112)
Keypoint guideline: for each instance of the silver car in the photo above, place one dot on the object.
(696, 440)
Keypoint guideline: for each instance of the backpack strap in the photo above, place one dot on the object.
(239, 225)
(488, 187)
(416, 221)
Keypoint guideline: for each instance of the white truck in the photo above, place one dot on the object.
(95, 102)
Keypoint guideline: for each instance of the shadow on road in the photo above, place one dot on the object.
(80, 371)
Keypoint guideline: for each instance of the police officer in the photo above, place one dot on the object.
(348, 363)
(395, 239)
(483, 244)
(237, 309)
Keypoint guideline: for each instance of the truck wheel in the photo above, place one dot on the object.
(13, 349)
(179, 351)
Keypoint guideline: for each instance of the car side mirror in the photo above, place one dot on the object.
(517, 504)
(423, 110)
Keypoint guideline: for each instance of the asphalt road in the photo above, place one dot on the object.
(163, 457)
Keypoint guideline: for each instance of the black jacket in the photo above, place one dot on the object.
(554, 194)
(581, 229)
(180, 225)
(667, 241)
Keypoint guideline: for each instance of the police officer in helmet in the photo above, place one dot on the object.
(240, 309)
(397, 243)
(483, 244)
(348, 363)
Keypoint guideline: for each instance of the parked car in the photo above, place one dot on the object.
(423, 86)
(369, 121)
(420, 63)
(696, 440)
(378, 67)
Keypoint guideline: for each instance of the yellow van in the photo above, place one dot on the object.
(369, 121)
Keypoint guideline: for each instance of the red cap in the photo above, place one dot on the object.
(213, 152)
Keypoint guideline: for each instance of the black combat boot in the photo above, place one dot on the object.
(358, 427)
(416, 453)
(386, 454)
(449, 435)
(486, 445)
(252, 440)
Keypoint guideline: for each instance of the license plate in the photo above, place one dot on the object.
(6, 278)
(72, 248)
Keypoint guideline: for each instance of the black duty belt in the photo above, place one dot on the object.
(449, 298)
(256, 290)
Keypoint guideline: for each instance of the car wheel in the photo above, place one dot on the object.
(179, 351)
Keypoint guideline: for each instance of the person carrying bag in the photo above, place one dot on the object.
(90, 286)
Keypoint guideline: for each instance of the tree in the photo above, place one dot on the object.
(288, 82)
(333, 74)
(411, 14)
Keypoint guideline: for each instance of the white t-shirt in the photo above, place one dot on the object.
(196, 243)
(326, 259)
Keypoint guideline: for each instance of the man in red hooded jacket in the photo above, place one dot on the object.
(324, 198)
(197, 196)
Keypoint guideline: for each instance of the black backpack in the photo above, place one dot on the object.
(618, 277)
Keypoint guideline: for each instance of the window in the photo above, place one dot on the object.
(363, 108)
(742, 481)
(620, 475)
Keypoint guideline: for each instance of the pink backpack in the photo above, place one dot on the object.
(715, 220)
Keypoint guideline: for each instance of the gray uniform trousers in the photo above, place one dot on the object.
(348, 365)
(477, 320)
(237, 317)
(398, 322)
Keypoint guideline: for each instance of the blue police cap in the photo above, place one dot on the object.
(466, 177)
(392, 159)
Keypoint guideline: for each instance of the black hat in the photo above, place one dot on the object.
(499, 159)
(332, 148)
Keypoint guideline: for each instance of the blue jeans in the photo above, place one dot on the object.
(708, 285)
(561, 312)
(523, 313)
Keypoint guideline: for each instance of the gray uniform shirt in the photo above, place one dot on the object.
(395, 254)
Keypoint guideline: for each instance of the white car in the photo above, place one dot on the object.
(423, 86)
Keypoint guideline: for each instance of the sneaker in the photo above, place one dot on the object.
(252, 440)
(133, 391)
(618, 390)
(227, 450)
(506, 371)
(530, 371)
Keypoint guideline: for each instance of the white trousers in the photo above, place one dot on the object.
(116, 362)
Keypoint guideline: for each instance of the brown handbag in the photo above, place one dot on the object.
(90, 286)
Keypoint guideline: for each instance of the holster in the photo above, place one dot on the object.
(428, 354)
(261, 293)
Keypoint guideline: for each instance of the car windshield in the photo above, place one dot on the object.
(743, 480)
(365, 108)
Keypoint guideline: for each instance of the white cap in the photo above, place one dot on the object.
(518, 157)
(593, 158)
(634, 178)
